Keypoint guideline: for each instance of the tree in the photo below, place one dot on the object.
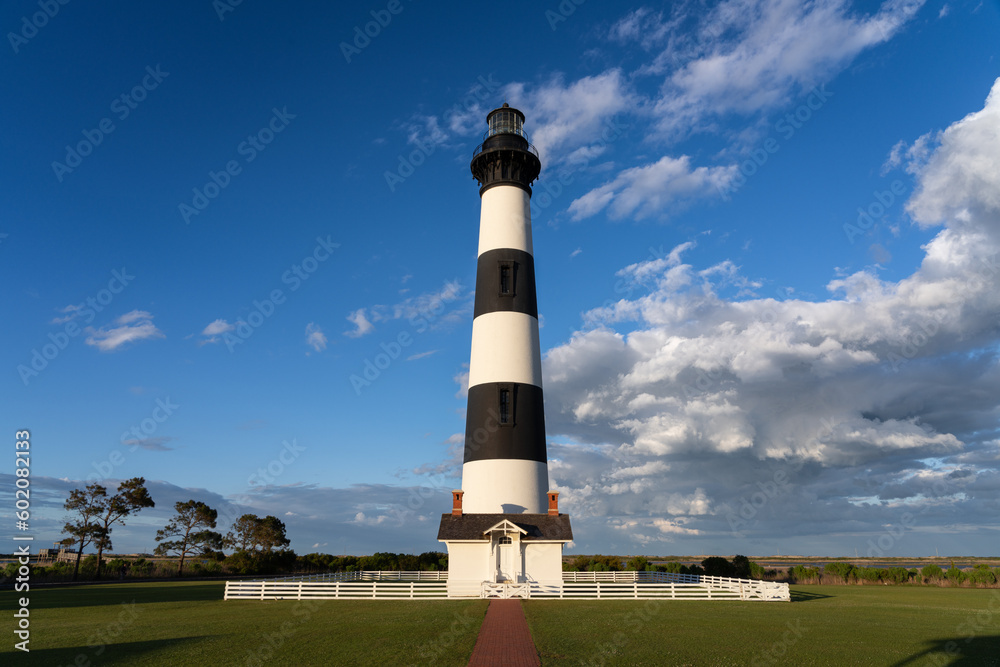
(132, 496)
(191, 527)
(251, 533)
(82, 531)
(717, 566)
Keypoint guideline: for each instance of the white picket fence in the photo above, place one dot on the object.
(575, 585)
(374, 585)
(661, 586)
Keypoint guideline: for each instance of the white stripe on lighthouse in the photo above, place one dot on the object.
(505, 219)
(505, 348)
(513, 486)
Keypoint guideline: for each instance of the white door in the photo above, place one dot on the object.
(507, 560)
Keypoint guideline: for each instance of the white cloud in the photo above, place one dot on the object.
(564, 117)
(213, 332)
(680, 404)
(661, 187)
(131, 327)
(747, 56)
(422, 312)
(217, 327)
(315, 338)
(361, 324)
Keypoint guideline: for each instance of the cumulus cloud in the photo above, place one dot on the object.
(361, 324)
(565, 116)
(747, 56)
(683, 414)
(213, 332)
(641, 192)
(315, 338)
(131, 327)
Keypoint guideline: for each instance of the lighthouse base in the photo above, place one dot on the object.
(505, 549)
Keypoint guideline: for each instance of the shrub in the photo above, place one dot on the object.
(840, 570)
(756, 571)
(932, 572)
(955, 575)
(637, 563)
(981, 575)
(803, 574)
(673, 567)
(897, 575)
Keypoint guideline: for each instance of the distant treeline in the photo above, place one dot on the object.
(242, 562)
(982, 575)
(739, 567)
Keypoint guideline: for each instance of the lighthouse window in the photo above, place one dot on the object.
(505, 406)
(505, 540)
(506, 278)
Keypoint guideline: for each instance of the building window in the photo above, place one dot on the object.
(505, 540)
(505, 406)
(506, 278)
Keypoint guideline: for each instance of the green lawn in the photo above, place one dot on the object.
(824, 625)
(188, 623)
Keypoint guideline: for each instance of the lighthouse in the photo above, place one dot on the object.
(504, 532)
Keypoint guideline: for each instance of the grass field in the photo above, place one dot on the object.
(188, 623)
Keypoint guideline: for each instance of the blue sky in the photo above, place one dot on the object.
(766, 240)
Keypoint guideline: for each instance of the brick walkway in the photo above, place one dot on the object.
(504, 639)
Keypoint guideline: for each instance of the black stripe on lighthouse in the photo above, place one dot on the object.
(505, 281)
(505, 426)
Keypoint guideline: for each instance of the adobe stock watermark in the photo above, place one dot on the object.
(265, 475)
(294, 277)
(926, 329)
(381, 18)
(249, 149)
(547, 190)
(893, 533)
(223, 7)
(88, 309)
(421, 321)
(777, 652)
(767, 491)
(869, 216)
(122, 107)
(136, 436)
(409, 162)
(270, 642)
(563, 11)
(635, 621)
(786, 127)
(37, 21)
(430, 652)
(419, 496)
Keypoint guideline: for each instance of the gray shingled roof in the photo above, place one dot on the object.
(537, 526)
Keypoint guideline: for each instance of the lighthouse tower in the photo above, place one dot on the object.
(505, 531)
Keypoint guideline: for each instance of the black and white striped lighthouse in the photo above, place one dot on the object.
(505, 470)
(504, 533)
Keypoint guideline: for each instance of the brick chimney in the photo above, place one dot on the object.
(553, 503)
(456, 502)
